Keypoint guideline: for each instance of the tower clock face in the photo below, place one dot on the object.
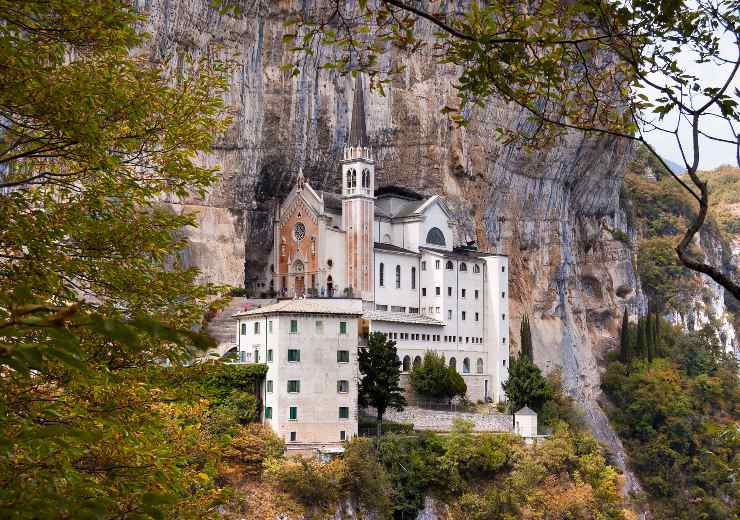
(299, 231)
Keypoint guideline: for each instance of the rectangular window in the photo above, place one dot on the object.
(343, 328)
(256, 327)
(256, 356)
(436, 310)
(269, 386)
(437, 264)
(424, 266)
(294, 326)
(423, 291)
(476, 294)
(437, 291)
(293, 413)
(268, 412)
(413, 310)
(397, 308)
(269, 355)
(294, 354)
(269, 326)
(449, 314)
(381, 307)
(319, 327)
(503, 316)
(244, 329)
(342, 435)
(342, 356)
(462, 293)
(503, 294)
(503, 340)
(343, 386)
(449, 291)
(413, 277)
(243, 356)
(467, 339)
(503, 269)
(294, 386)
(476, 316)
(344, 412)
(462, 315)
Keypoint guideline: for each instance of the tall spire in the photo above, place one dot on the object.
(358, 132)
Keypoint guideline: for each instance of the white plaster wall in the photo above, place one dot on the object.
(388, 294)
(434, 216)
(497, 319)
(336, 252)
(429, 279)
(318, 371)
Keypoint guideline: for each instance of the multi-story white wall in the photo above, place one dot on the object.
(310, 348)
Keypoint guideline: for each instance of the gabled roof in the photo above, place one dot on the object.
(391, 190)
(341, 306)
(402, 317)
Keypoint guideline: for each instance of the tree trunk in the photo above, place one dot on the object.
(379, 424)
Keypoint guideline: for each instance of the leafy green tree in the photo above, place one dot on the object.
(526, 338)
(526, 385)
(433, 378)
(650, 337)
(93, 292)
(625, 344)
(381, 373)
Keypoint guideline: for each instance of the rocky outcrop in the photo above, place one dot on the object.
(550, 211)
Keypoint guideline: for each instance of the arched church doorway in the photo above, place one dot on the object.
(300, 280)
(329, 286)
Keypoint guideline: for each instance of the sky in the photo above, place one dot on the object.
(712, 153)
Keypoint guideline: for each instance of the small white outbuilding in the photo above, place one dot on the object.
(525, 422)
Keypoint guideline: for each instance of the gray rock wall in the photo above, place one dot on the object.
(546, 210)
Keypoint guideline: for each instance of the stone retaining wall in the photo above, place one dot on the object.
(441, 421)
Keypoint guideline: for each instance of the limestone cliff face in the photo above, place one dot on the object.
(550, 211)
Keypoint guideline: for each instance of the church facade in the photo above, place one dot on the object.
(392, 251)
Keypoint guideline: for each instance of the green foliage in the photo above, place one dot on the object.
(93, 290)
(433, 378)
(365, 479)
(381, 372)
(672, 415)
(313, 483)
(526, 339)
(252, 446)
(526, 385)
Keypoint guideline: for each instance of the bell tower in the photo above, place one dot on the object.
(358, 201)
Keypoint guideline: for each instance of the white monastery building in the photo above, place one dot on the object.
(365, 260)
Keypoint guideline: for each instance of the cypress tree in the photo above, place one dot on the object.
(526, 339)
(650, 337)
(641, 347)
(624, 340)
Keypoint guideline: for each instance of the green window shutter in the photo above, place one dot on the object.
(343, 327)
(344, 412)
(294, 354)
(294, 326)
(268, 412)
(343, 356)
(294, 386)
(269, 386)
(293, 413)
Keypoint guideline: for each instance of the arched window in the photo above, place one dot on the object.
(479, 366)
(413, 277)
(406, 363)
(382, 274)
(417, 361)
(453, 362)
(463, 266)
(365, 178)
(449, 266)
(387, 239)
(476, 268)
(354, 178)
(349, 178)
(398, 277)
(466, 366)
(435, 236)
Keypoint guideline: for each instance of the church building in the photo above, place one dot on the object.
(390, 254)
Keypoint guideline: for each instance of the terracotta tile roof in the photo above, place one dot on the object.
(309, 306)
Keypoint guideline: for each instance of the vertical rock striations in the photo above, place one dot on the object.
(551, 211)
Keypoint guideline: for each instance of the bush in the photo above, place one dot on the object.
(365, 479)
(252, 446)
(367, 423)
(433, 378)
(314, 484)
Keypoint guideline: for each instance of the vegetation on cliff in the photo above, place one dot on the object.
(479, 476)
(678, 417)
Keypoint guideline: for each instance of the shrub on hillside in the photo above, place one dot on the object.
(252, 446)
